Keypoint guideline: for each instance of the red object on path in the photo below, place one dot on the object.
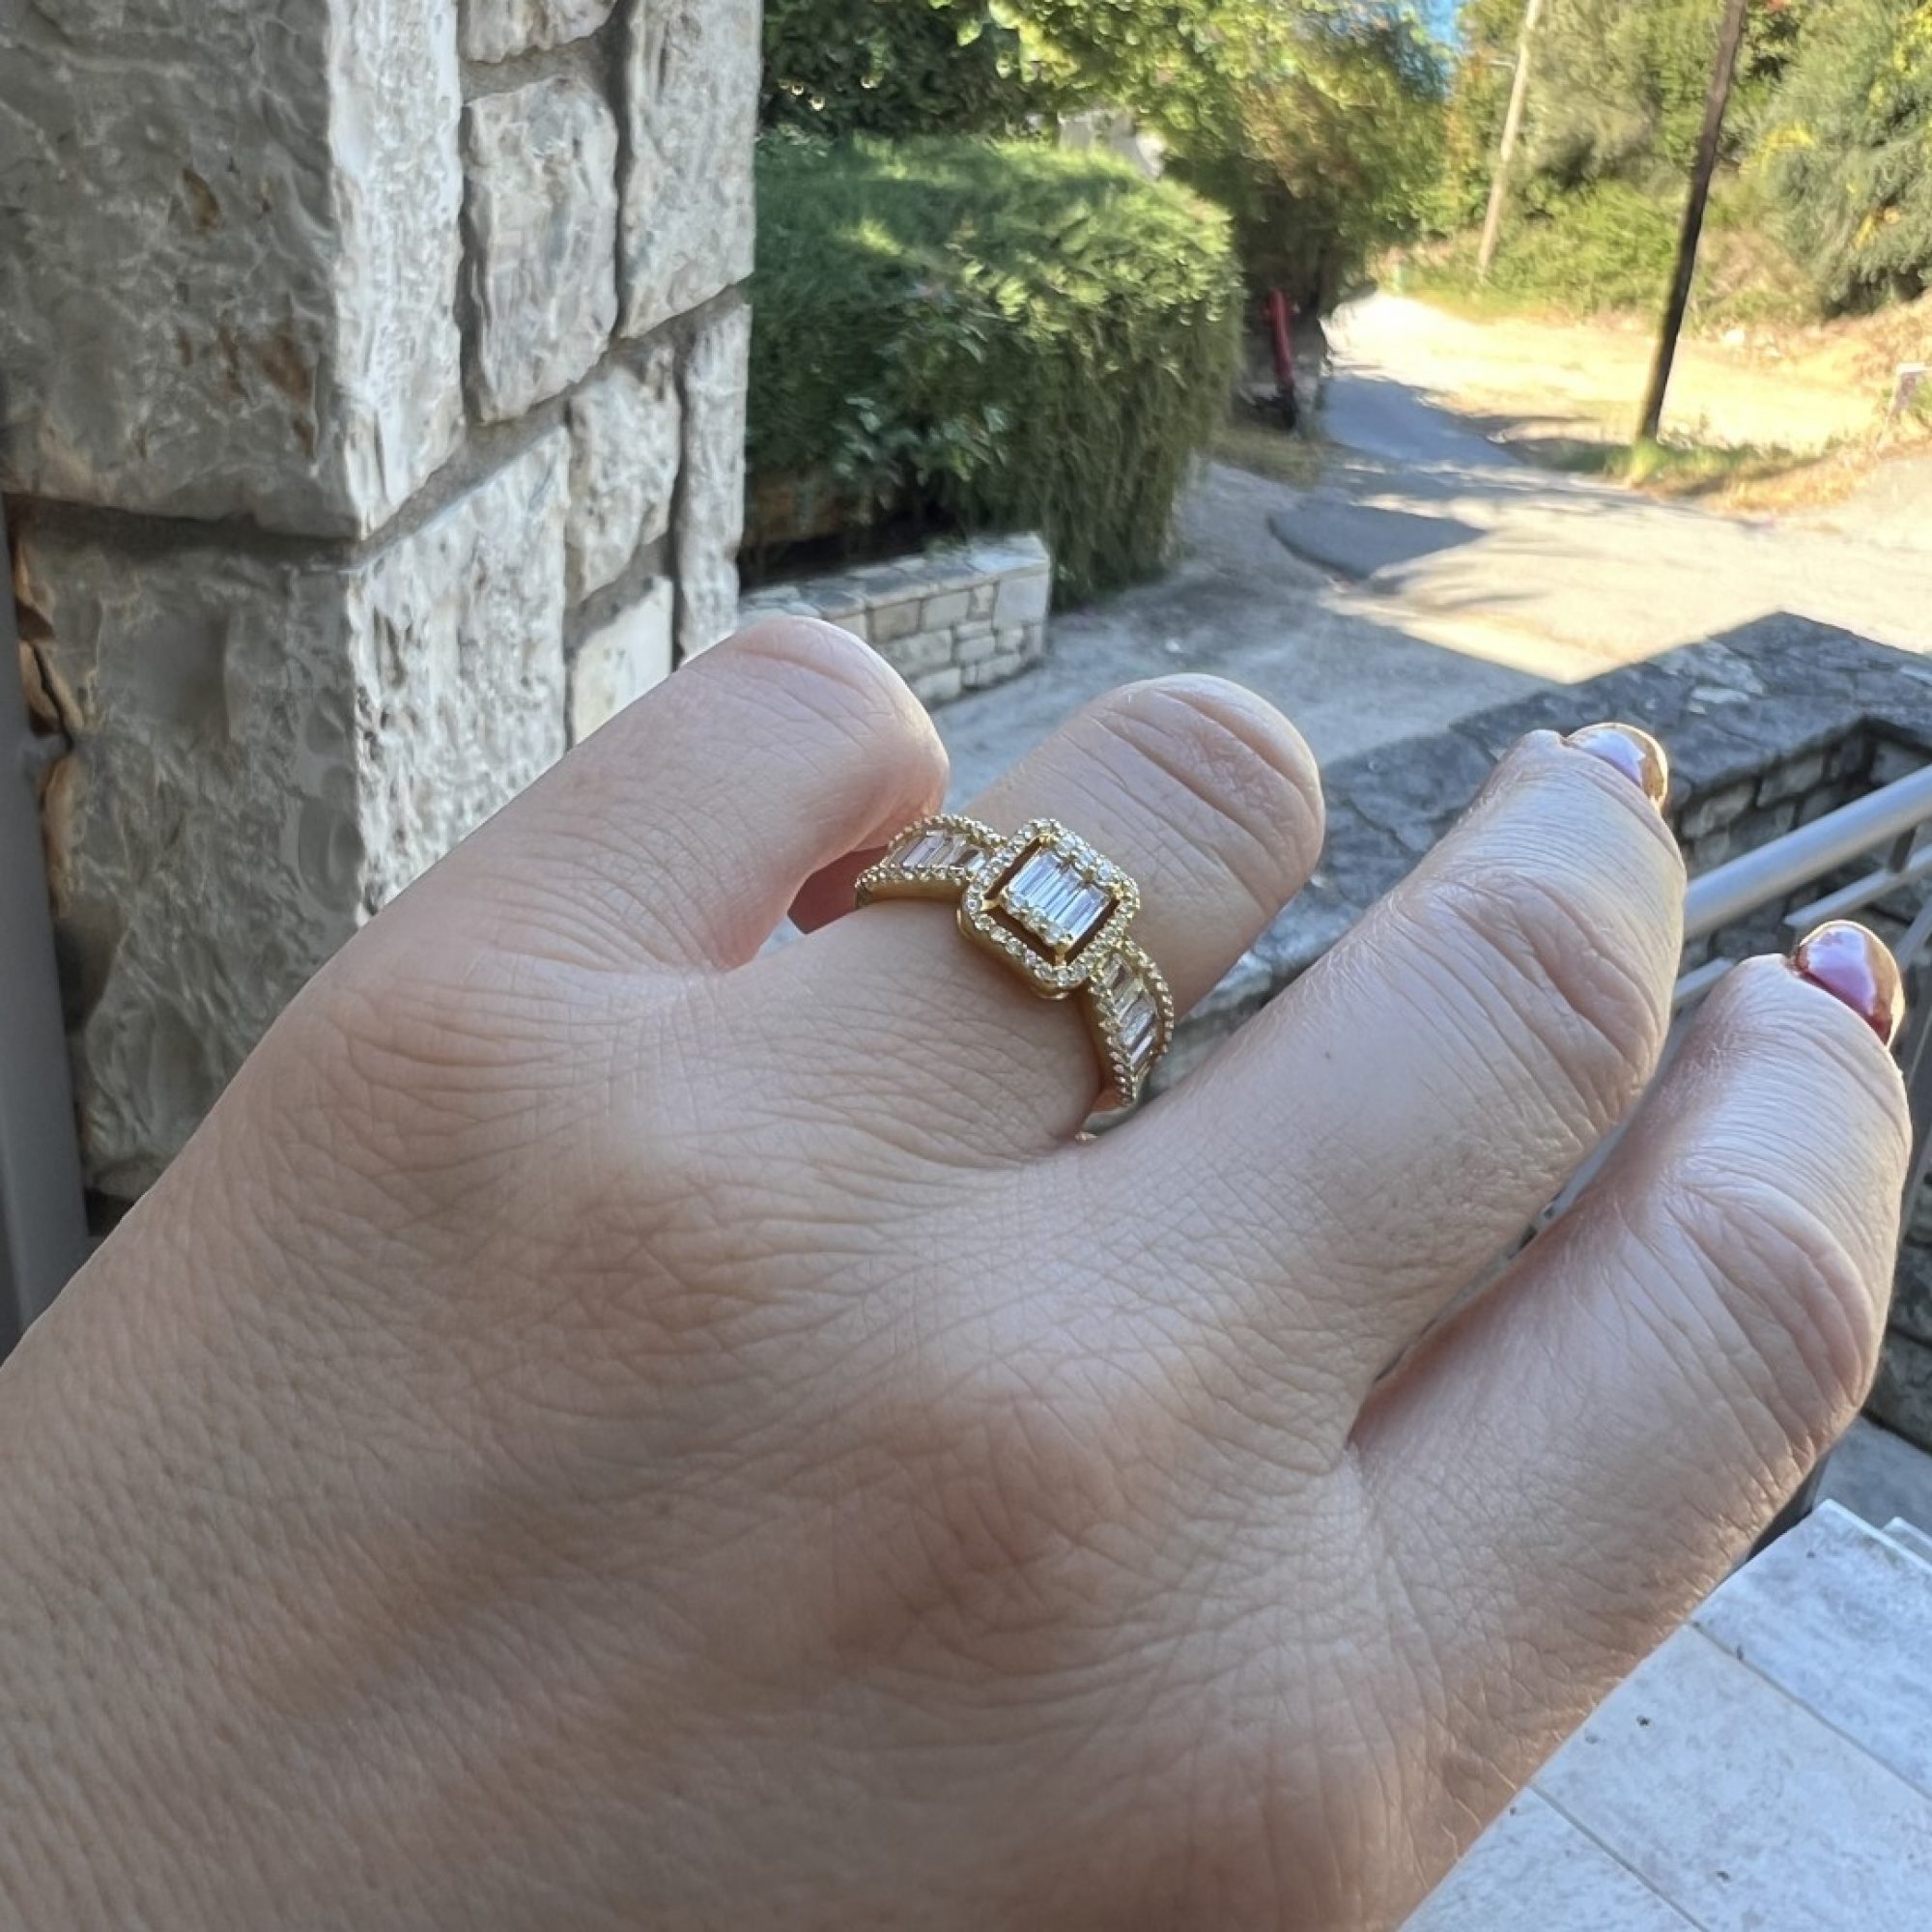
(1281, 318)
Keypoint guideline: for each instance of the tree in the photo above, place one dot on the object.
(891, 67)
(1619, 94)
(1316, 120)
(1846, 149)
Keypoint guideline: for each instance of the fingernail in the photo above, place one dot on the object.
(1856, 967)
(1636, 753)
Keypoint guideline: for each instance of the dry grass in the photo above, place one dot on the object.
(1297, 458)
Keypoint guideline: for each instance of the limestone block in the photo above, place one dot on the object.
(228, 256)
(939, 687)
(948, 608)
(540, 219)
(619, 663)
(913, 656)
(495, 30)
(691, 98)
(994, 670)
(266, 751)
(892, 621)
(1024, 600)
(625, 446)
(711, 504)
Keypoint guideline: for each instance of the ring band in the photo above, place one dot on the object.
(1056, 912)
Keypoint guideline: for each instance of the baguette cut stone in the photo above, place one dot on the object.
(939, 852)
(1048, 895)
(1140, 1026)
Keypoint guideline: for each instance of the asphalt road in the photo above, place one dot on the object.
(1428, 515)
(1430, 575)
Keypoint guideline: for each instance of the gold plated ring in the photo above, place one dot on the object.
(1054, 910)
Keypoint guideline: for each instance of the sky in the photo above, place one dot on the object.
(1440, 15)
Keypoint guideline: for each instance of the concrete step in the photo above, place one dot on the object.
(1909, 1538)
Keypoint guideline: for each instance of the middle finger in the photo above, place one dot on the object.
(1354, 1157)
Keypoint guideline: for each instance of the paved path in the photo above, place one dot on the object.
(1430, 576)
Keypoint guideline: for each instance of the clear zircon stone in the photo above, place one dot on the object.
(1052, 900)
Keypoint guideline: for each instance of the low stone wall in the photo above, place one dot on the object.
(1769, 727)
(955, 618)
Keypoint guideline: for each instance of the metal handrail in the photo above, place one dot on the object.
(1732, 894)
(42, 1210)
(1735, 890)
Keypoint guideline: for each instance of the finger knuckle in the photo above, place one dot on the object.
(824, 674)
(1804, 1303)
(1232, 758)
(1573, 975)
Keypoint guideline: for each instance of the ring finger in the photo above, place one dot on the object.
(1201, 791)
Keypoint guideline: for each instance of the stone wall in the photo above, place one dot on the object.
(371, 424)
(1769, 727)
(956, 618)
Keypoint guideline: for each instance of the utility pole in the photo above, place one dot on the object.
(1493, 222)
(1730, 42)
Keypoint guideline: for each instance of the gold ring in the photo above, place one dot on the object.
(1055, 911)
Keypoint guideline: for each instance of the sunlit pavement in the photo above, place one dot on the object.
(1429, 575)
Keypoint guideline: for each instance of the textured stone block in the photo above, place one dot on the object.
(495, 30)
(1024, 600)
(892, 621)
(691, 98)
(625, 437)
(1721, 808)
(228, 256)
(711, 504)
(1890, 762)
(540, 220)
(993, 670)
(619, 662)
(1792, 779)
(1902, 1399)
(948, 609)
(266, 751)
(939, 687)
(913, 656)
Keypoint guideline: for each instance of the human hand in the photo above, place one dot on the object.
(609, 1426)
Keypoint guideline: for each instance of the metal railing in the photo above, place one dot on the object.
(1889, 826)
(43, 1211)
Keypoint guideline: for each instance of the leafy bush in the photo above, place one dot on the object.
(1609, 246)
(1012, 335)
(836, 68)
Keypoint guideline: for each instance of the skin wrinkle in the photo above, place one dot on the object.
(1264, 851)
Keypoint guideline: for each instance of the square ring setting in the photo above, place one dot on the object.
(1048, 904)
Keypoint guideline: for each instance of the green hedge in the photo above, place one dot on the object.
(1004, 335)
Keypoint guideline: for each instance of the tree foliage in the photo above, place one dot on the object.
(1618, 94)
(1846, 148)
(893, 67)
(1828, 146)
(1317, 120)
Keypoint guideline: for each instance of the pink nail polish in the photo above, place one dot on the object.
(1856, 967)
(1636, 753)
